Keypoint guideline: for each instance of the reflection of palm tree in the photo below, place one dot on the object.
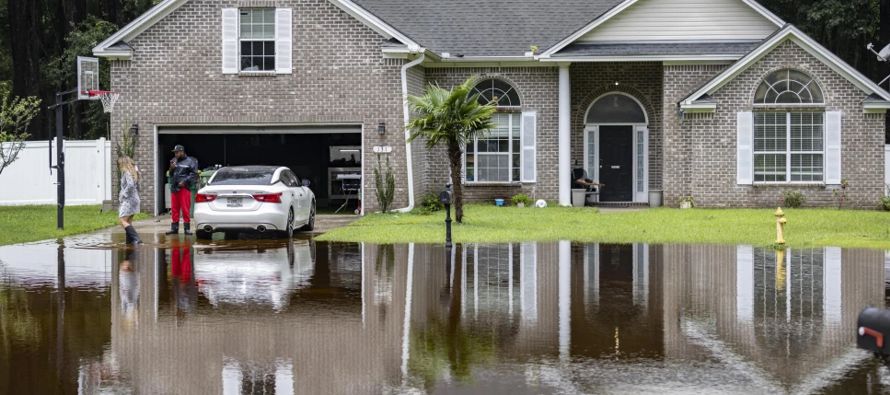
(449, 344)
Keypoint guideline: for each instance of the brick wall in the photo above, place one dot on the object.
(640, 80)
(340, 76)
(705, 149)
(679, 81)
(538, 89)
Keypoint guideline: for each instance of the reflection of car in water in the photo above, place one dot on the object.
(261, 273)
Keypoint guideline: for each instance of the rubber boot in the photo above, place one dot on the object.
(129, 235)
(174, 229)
(187, 231)
(132, 236)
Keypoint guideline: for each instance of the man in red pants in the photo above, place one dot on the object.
(184, 174)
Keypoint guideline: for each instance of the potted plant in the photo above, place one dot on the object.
(521, 200)
(687, 202)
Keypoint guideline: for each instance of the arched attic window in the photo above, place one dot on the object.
(788, 86)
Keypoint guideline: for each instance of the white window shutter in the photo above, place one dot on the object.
(230, 41)
(284, 41)
(745, 148)
(833, 147)
(528, 145)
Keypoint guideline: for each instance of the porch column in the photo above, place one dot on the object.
(565, 138)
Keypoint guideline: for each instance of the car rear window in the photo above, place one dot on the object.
(240, 176)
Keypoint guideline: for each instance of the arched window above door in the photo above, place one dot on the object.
(616, 108)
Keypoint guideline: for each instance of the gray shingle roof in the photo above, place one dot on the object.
(657, 49)
(487, 27)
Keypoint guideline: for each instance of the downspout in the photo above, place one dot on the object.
(407, 118)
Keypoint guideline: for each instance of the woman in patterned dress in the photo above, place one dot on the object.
(129, 197)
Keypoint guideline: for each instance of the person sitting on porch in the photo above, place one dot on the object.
(580, 180)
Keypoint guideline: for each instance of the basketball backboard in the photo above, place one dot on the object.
(87, 77)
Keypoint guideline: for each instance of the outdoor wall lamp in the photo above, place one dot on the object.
(134, 129)
(381, 128)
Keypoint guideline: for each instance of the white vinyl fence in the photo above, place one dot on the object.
(29, 180)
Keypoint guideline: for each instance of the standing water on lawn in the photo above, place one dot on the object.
(308, 317)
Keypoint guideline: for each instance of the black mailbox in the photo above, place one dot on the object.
(445, 197)
(873, 329)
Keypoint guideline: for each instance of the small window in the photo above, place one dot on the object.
(257, 36)
(788, 86)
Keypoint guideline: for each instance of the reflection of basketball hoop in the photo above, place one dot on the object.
(108, 98)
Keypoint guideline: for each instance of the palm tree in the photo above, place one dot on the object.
(451, 118)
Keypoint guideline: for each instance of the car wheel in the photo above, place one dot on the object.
(202, 235)
(310, 226)
(290, 223)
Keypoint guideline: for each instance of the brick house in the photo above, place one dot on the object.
(728, 105)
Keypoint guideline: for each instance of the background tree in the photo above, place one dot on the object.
(15, 116)
(450, 118)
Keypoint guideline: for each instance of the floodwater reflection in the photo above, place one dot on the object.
(306, 317)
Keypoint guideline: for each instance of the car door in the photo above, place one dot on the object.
(301, 213)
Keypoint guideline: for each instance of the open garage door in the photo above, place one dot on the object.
(317, 153)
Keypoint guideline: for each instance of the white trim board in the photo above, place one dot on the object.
(160, 11)
(625, 5)
(789, 32)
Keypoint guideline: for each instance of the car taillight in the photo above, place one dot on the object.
(204, 198)
(268, 197)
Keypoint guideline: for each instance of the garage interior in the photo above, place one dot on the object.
(318, 154)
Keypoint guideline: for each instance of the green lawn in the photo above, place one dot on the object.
(489, 224)
(20, 224)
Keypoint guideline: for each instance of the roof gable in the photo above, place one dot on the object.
(789, 32)
(110, 47)
(676, 20)
(656, 20)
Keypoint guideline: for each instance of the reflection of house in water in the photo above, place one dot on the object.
(786, 325)
(356, 319)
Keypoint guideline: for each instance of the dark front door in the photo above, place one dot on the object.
(616, 159)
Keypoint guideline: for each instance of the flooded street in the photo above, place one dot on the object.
(262, 316)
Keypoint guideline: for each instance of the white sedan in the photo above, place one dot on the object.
(254, 198)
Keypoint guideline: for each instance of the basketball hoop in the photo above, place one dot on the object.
(108, 99)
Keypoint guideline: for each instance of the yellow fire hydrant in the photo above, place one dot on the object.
(780, 226)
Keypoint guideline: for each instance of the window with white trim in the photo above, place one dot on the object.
(257, 39)
(788, 86)
(789, 145)
(495, 157)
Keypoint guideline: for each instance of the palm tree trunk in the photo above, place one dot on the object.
(454, 157)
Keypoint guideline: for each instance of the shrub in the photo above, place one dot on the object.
(885, 203)
(385, 182)
(521, 198)
(429, 204)
(794, 199)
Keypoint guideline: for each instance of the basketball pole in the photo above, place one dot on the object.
(60, 156)
(60, 164)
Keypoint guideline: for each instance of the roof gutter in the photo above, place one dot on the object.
(407, 118)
